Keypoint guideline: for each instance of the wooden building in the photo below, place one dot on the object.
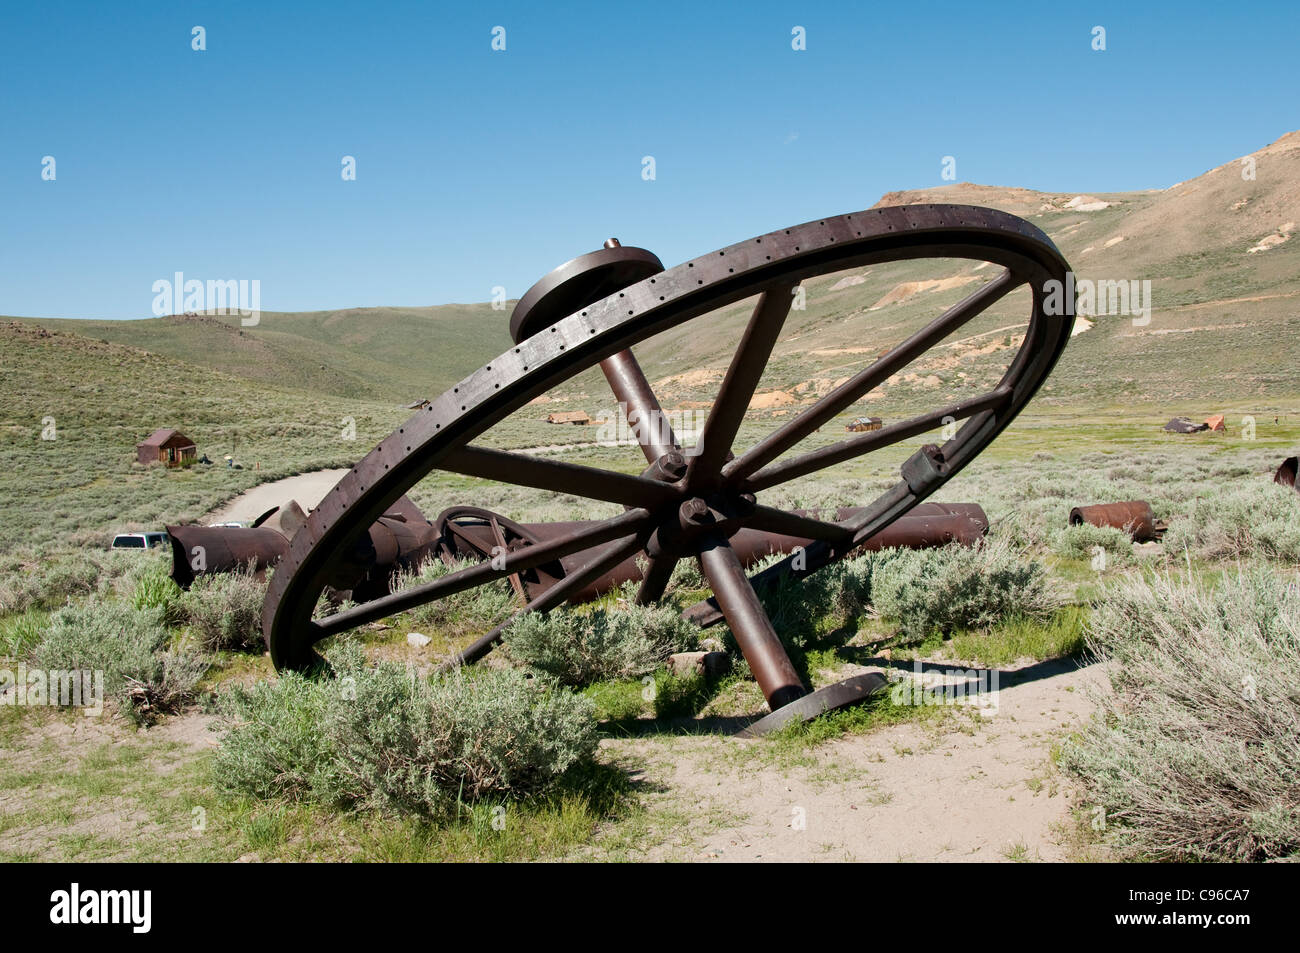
(860, 424)
(569, 417)
(166, 446)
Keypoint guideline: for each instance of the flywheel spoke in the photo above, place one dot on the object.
(758, 641)
(655, 582)
(558, 476)
(529, 557)
(742, 377)
(786, 436)
(572, 583)
(865, 443)
(771, 520)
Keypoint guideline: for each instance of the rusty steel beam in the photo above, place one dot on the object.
(1135, 517)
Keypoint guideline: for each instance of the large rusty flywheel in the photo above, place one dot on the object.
(591, 311)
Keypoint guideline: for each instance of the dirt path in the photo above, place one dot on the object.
(307, 488)
(964, 788)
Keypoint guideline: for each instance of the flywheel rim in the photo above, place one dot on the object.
(668, 299)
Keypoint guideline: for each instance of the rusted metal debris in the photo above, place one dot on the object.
(1286, 473)
(1213, 422)
(589, 313)
(473, 533)
(401, 538)
(198, 550)
(1135, 517)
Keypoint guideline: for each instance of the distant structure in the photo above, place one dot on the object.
(860, 424)
(1184, 425)
(166, 446)
(578, 417)
(417, 404)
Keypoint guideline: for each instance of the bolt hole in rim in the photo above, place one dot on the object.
(639, 300)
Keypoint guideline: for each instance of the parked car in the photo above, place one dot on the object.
(139, 541)
(234, 524)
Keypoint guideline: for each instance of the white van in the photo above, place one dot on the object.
(139, 540)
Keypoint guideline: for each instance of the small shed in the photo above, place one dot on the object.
(1184, 425)
(578, 417)
(860, 424)
(1215, 422)
(167, 446)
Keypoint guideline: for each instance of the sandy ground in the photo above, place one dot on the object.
(307, 488)
(967, 788)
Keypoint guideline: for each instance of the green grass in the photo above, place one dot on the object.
(794, 744)
(133, 797)
(1062, 634)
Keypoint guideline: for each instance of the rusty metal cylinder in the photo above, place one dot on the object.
(1135, 517)
(925, 526)
(197, 550)
(963, 523)
(1286, 473)
(402, 537)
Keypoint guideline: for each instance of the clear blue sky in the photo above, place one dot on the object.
(478, 168)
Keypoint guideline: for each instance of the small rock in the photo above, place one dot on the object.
(683, 664)
(417, 640)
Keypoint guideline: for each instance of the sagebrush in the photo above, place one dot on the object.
(1252, 519)
(225, 609)
(1194, 753)
(132, 647)
(382, 739)
(615, 639)
(937, 591)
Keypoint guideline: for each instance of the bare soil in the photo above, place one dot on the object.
(307, 488)
(964, 788)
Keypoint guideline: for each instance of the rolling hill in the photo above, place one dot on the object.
(385, 354)
(1219, 250)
